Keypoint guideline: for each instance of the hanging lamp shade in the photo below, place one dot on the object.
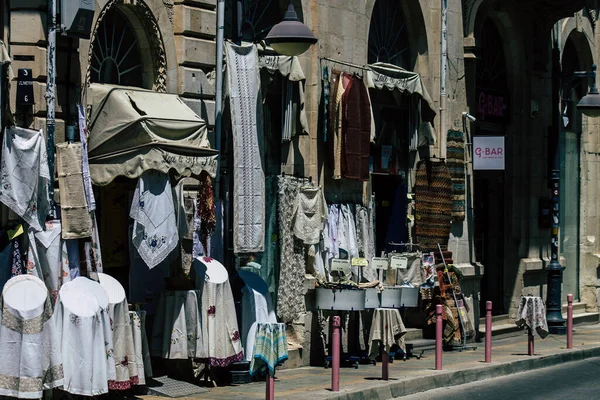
(589, 105)
(290, 37)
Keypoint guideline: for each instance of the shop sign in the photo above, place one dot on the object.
(340, 265)
(380, 263)
(492, 107)
(398, 262)
(488, 153)
(360, 262)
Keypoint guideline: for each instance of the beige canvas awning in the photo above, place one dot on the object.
(133, 130)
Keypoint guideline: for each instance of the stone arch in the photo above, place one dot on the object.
(154, 20)
(417, 31)
(582, 34)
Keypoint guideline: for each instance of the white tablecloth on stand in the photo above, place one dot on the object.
(532, 314)
(387, 329)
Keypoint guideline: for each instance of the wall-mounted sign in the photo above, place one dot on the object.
(488, 152)
(398, 262)
(25, 87)
(77, 17)
(491, 106)
(380, 263)
(340, 265)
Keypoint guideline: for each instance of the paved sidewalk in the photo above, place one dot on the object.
(509, 356)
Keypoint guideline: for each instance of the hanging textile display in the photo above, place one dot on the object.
(337, 116)
(206, 210)
(433, 204)
(270, 257)
(290, 297)
(123, 347)
(270, 348)
(85, 165)
(455, 149)
(137, 320)
(75, 216)
(243, 80)
(93, 255)
(29, 340)
(47, 257)
(356, 126)
(155, 233)
(397, 228)
(310, 214)
(24, 175)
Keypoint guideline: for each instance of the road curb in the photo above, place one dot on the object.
(391, 389)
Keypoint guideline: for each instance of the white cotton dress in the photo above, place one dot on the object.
(29, 340)
(87, 346)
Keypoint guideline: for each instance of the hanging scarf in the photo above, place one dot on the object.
(206, 209)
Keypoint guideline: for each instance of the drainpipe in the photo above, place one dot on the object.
(219, 118)
(50, 97)
(443, 70)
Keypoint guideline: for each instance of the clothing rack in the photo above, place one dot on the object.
(361, 68)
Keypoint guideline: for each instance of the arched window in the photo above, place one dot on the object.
(116, 55)
(388, 35)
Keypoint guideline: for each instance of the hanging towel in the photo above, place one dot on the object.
(243, 80)
(310, 214)
(85, 165)
(24, 175)
(356, 126)
(93, 255)
(155, 233)
(337, 114)
(75, 215)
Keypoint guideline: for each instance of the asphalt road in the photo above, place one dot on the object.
(570, 381)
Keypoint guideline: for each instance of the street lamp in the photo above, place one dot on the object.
(589, 105)
(290, 37)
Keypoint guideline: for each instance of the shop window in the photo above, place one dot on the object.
(116, 55)
(388, 35)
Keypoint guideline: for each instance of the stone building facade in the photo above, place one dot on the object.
(497, 52)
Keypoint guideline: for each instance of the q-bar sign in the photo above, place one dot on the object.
(488, 152)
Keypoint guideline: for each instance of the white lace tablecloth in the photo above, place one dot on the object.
(532, 314)
(137, 320)
(178, 332)
(387, 329)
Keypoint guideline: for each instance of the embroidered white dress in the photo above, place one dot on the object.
(88, 359)
(30, 357)
(155, 233)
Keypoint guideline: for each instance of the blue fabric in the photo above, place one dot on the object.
(6, 256)
(397, 231)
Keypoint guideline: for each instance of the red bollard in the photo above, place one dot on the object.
(335, 355)
(569, 321)
(270, 392)
(530, 349)
(438, 337)
(488, 331)
(385, 366)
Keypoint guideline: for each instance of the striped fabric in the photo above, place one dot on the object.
(456, 164)
(270, 348)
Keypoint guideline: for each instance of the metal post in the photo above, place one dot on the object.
(50, 97)
(385, 365)
(488, 331)
(335, 355)
(270, 387)
(438, 337)
(569, 321)
(443, 72)
(556, 323)
(530, 349)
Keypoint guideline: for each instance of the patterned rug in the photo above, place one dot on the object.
(456, 165)
(433, 205)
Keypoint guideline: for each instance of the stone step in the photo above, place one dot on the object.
(294, 358)
(578, 308)
(413, 334)
(510, 329)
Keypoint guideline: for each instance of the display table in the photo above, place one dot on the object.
(532, 315)
(387, 329)
(178, 331)
(270, 349)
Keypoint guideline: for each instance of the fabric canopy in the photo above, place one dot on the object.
(382, 75)
(133, 130)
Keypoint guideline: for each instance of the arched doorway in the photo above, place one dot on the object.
(388, 35)
(126, 48)
(493, 117)
(576, 56)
